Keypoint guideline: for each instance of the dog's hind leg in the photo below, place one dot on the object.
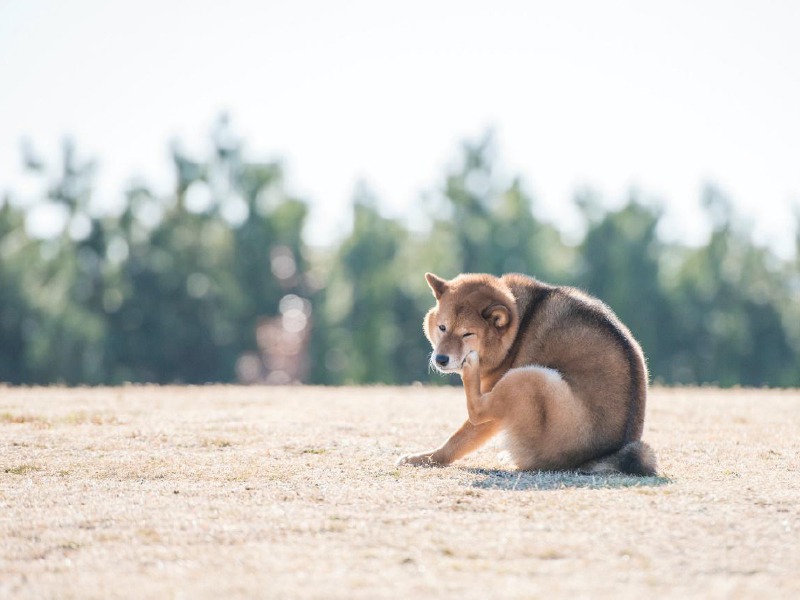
(546, 425)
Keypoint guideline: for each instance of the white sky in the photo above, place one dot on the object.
(607, 94)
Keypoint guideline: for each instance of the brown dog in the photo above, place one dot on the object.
(551, 367)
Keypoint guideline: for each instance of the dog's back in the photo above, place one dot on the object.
(563, 329)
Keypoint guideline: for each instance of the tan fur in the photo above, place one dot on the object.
(550, 366)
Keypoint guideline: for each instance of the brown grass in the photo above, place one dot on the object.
(228, 492)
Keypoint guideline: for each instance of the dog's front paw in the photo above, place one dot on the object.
(470, 366)
(471, 360)
(420, 459)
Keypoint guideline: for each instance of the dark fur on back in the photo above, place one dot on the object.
(574, 307)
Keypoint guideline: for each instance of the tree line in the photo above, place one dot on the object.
(214, 282)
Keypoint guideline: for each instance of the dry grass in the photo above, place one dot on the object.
(226, 492)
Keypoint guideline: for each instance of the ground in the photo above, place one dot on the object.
(244, 492)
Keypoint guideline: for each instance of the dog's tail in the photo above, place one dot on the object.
(634, 458)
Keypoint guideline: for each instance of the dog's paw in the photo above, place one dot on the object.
(470, 362)
(420, 459)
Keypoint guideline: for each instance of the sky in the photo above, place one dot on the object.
(658, 97)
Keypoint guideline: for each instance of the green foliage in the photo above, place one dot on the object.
(368, 338)
(213, 282)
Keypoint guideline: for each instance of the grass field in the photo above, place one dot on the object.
(230, 492)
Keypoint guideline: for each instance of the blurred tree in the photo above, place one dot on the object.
(64, 283)
(214, 283)
(491, 230)
(727, 299)
(172, 289)
(17, 319)
(619, 263)
(371, 340)
(188, 298)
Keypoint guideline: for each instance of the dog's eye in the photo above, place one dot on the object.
(467, 334)
(442, 327)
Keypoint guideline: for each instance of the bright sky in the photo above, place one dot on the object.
(662, 96)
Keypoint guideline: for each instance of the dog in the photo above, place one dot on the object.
(551, 367)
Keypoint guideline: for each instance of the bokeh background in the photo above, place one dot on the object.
(203, 192)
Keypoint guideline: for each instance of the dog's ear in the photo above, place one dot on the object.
(437, 284)
(497, 315)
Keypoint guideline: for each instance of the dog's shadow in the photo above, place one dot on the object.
(555, 480)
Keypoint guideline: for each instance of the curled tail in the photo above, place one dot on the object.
(634, 458)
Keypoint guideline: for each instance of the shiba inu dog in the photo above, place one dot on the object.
(551, 367)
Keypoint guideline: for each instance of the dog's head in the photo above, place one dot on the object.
(473, 312)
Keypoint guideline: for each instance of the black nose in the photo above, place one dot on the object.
(441, 359)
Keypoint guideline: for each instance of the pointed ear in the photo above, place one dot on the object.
(497, 315)
(437, 284)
